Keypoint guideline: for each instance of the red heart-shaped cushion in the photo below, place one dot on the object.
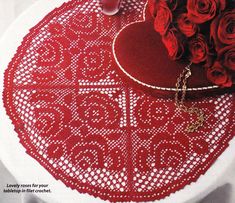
(143, 58)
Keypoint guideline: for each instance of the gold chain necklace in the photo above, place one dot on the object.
(179, 101)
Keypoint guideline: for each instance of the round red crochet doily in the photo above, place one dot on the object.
(88, 128)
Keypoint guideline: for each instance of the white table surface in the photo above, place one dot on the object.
(9, 10)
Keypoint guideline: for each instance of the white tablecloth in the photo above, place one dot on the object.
(9, 10)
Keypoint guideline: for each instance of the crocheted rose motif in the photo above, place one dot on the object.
(98, 111)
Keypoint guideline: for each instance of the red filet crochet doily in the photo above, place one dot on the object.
(92, 131)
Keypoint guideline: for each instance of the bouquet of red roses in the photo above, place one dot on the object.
(202, 31)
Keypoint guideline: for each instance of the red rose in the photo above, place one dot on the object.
(223, 29)
(198, 49)
(200, 11)
(218, 75)
(173, 41)
(153, 5)
(187, 27)
(163, 18)
(226, 57)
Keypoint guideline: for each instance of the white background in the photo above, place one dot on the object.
(9, 10)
